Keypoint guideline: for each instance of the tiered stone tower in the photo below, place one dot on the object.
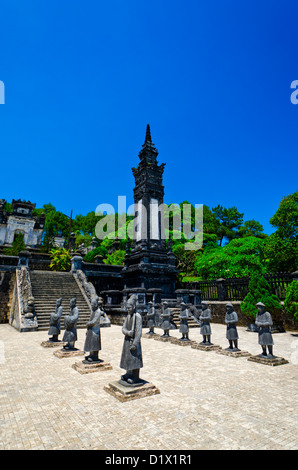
(149, 264)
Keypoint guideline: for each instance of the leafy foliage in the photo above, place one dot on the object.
(238, 258)
(258, 291)
(117, 257)
(18, 245)
(291, 300)
(100, 250)
(286, 217)
(229, 219)
(60, 259)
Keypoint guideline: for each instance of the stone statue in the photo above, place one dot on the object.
(151, 316)
(184, 317)
(165, 319)
(92, 341)
(70, 321)
(104, 319)
(231, 319)
(131, 358)
(205, 319)
(54, 329)
(264, 322)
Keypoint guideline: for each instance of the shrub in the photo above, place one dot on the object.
(291, 300)
(18, 245)
(258, 291)
(100, 250)
(60, 259)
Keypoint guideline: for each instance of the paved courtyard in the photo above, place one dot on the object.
(207, 401)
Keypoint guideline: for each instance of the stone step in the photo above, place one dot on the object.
(176, 312)
(47, 287)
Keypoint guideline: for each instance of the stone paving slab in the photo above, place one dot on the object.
(207, 400)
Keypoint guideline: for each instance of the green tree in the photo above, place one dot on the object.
(285, 219)
(251, 228)
(281, 254)
(281, 247)
(229, 219)
(238, 258)
(258, 291)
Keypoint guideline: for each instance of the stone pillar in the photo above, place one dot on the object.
(76, 263)
(182, 295)
(72, 242)
(98, 259)
(24, 259)
(195, 296)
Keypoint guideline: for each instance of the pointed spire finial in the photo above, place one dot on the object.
(148, 134)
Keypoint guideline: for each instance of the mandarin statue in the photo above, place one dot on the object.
(205, 319)
(167, 323)
(92, 340)
(231, 320)
(131, 358)
(184, 317)
(70, 321)
(55, 317)
(151, 317)
(264, 322)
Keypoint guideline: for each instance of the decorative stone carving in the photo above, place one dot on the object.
(23, 316)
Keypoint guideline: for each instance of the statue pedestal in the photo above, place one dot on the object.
(68, 353)
(206, 347)
(232, 353)
(125, 393)
(89, 367)
(182, 342)
(51, 344)
(275, 361)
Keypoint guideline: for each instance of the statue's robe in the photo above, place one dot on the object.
(131, 360)
(92, 341)
(55, 321)
(205, 318)
(264, 322)
(231, 320)
(70, 322)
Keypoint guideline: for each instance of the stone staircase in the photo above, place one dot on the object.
(47, 287)
(176, 312)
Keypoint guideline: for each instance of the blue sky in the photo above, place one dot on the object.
(212, 78)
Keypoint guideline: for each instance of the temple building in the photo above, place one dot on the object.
(20, 220)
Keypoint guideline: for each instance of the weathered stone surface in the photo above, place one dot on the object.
(68, 353)
(182, 342)
(206, 347)
(233, 353)
(87, 368)
(123, 393)
(51, 344)
(275, 361)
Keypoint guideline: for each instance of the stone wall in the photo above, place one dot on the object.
(7, 280)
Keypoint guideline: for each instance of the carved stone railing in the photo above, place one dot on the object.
(89, 292)
(87, 288)
(22, 313)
